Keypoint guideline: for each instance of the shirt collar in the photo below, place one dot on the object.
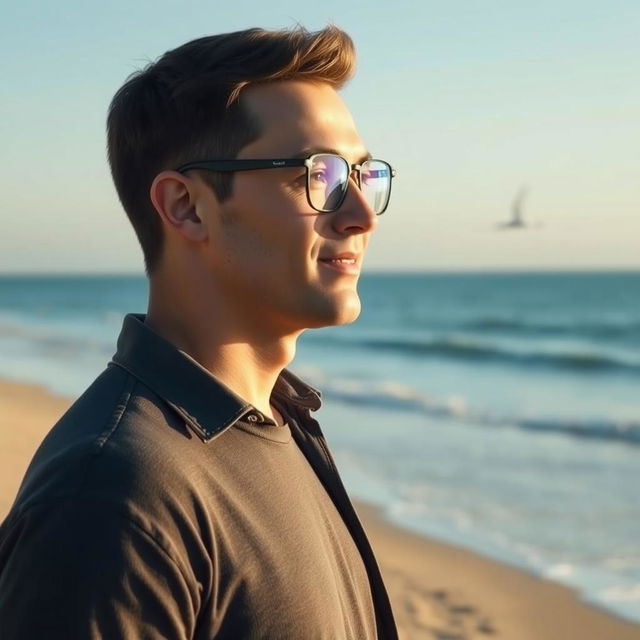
(205, 403)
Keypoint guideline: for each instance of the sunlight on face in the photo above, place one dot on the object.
(276, 254)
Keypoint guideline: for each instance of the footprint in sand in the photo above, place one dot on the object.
(441, 614)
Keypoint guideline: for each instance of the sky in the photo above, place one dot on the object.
(469, 100)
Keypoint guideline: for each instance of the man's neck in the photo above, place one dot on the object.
(248, 360)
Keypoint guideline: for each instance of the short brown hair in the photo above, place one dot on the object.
(185, 107)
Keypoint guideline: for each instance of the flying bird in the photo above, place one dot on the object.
(517, 218)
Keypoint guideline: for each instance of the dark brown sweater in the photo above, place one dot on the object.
(162, 505)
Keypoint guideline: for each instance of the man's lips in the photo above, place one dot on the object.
(346, 257)
(346, 262)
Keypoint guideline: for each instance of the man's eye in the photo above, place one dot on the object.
(318, 177)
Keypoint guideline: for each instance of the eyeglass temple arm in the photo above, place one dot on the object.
(242, 165)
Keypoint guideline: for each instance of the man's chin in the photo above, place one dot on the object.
(342, 310)
(349, 315)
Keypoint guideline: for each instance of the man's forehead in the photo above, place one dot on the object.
(297, 116)
(293, 95)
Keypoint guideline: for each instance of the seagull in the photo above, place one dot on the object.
(517, 221)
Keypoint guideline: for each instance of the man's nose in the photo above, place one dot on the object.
(355, 215)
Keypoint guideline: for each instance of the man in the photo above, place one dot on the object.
(188, 493)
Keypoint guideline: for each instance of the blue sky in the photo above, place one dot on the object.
(469, 100)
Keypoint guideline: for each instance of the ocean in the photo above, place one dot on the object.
(499, 412)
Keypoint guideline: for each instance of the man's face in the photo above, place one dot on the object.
(268, 247)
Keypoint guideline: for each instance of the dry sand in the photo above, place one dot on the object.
(438, 591)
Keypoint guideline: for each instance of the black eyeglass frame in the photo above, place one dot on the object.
(279, 163)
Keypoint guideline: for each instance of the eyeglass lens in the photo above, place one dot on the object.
(329, 179)
(375, 182)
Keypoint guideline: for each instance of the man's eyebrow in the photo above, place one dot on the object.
(309, 151)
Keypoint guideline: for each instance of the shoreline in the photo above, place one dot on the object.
(437, 590)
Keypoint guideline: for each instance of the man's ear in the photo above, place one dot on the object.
(174, 197)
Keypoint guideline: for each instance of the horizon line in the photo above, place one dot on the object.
(374, 271)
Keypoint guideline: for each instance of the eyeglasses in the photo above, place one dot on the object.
(327, 177)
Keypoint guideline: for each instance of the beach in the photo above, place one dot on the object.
(438, 591)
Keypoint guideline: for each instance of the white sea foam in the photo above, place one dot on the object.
(619, 593)
(562, 570)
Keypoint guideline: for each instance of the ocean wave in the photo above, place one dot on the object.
(460, 347)
(52, 340)
(394, 396)
(600, 330)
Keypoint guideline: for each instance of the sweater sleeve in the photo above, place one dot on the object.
(79, 569)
